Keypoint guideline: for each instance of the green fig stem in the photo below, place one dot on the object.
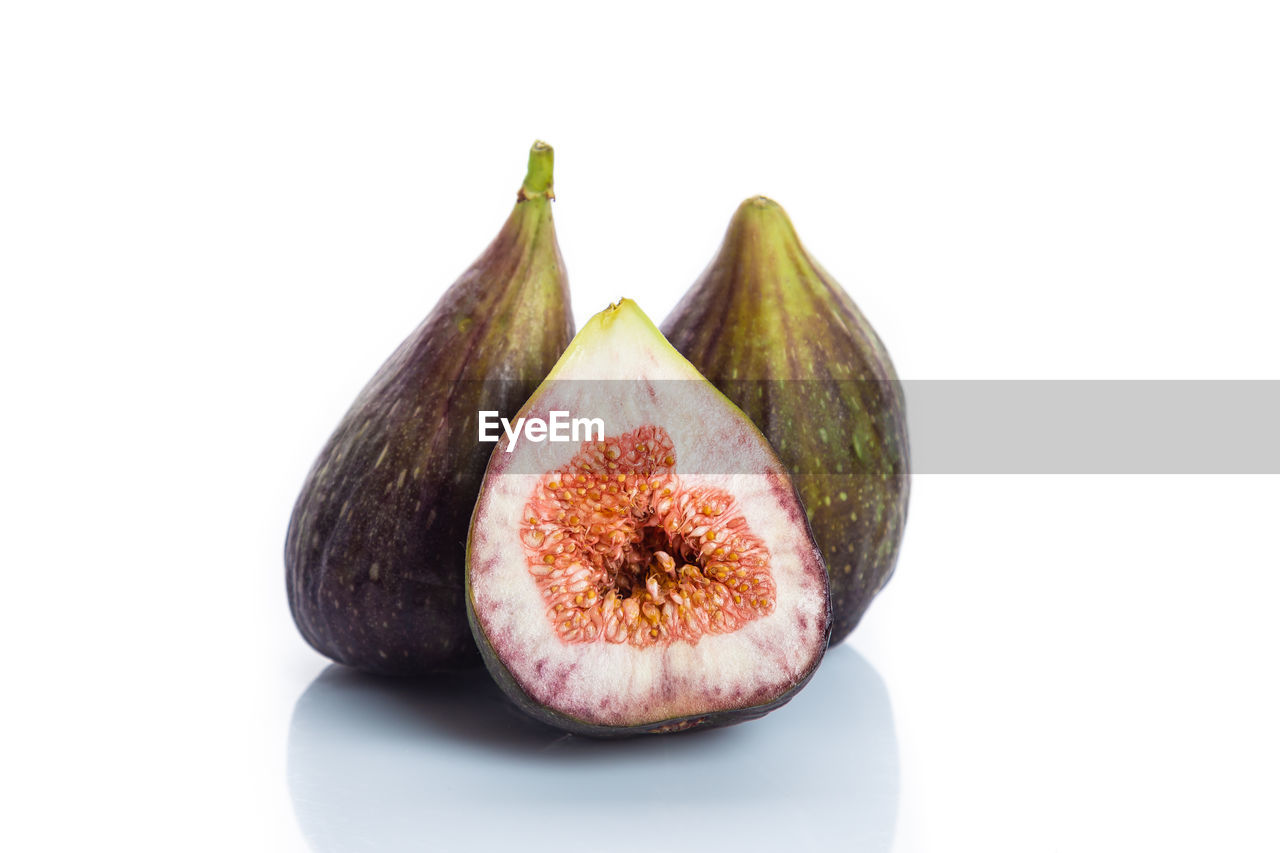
(538, 180)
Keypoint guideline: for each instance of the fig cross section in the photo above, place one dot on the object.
(623, 552)
(662, 578)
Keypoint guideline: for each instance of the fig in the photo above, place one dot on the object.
(774, 331)
(652, 572)
(376, 547)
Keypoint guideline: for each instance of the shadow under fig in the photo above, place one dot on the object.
(449, 764)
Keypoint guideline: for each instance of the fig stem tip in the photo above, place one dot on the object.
(538, 180)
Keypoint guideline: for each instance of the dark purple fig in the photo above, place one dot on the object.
(376, 546)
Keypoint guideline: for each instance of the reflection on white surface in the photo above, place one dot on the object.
(376, 764)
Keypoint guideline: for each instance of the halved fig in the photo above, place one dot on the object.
(652, 570)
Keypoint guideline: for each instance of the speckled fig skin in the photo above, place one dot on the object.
(376, 547)
(776, 333)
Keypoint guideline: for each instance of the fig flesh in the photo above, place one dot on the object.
(375, 551)
(775, 332)
(655, 574)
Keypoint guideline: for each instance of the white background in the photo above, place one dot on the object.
(217, 219)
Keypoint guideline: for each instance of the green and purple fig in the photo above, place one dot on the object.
(653, 572)
(775, 332)
(376, 548)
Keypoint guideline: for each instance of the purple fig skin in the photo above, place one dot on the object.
(769, 327)
(376, 548)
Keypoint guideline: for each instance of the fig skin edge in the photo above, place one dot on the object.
(512, 687)
(767, 325)
(375, 551)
